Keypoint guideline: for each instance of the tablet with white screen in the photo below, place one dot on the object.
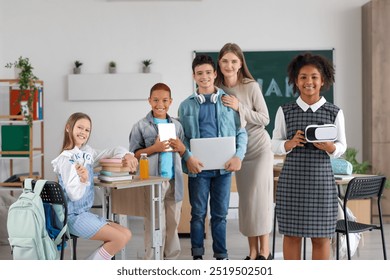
(166, 131)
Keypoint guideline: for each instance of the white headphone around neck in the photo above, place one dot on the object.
(201, 99)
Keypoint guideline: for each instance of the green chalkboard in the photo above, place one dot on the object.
(269, 68)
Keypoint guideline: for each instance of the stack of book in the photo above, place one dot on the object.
(113, 171)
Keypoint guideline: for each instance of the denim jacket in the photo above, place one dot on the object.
(228, 122)
(143, 135)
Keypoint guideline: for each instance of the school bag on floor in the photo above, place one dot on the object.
(26, 225)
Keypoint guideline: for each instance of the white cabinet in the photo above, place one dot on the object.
(126, 86)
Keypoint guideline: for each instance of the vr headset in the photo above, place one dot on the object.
(321, 133)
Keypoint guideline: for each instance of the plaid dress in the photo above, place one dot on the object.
(306, 196)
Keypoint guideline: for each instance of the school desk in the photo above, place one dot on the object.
(128, 199)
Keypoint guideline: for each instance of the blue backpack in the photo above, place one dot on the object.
(26, 225)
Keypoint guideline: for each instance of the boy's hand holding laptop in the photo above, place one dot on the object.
(233, 164)
(213, 153)
(194, 165)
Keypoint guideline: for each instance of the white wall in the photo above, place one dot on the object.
(55, 33)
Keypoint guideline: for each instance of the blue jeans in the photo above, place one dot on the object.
(218, 186)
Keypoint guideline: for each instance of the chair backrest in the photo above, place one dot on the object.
(365, 187)
(52, 193)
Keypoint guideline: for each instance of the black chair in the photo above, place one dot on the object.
(52, 193)
(74, 246)
(361, 188)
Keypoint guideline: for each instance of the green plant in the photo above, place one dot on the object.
(147, 62)
(78, 64)
(112, 64)
(359, 167)
(27, 83)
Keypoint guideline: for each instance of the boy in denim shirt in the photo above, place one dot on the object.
(144, 138)
(203, 115)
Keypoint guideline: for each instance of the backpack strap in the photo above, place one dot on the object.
(38, 185)
(63, 231)
(28, 185)
(58, 211)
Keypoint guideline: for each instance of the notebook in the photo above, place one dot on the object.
(213, 152)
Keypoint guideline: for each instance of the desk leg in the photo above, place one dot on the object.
(155, 200)
(109, 214)
(104, 203)
(123, 222)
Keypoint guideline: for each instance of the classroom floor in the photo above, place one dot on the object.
(370, 247)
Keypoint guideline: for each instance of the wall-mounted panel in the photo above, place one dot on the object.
(133, 86)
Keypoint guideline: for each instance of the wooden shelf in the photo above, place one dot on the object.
(34, 152)
(15, 83)
(11, 120)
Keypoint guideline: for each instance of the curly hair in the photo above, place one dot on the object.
(324, 66)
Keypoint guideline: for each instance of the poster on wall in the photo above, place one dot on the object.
(269, 68)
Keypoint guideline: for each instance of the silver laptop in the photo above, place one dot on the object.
(213, 152)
